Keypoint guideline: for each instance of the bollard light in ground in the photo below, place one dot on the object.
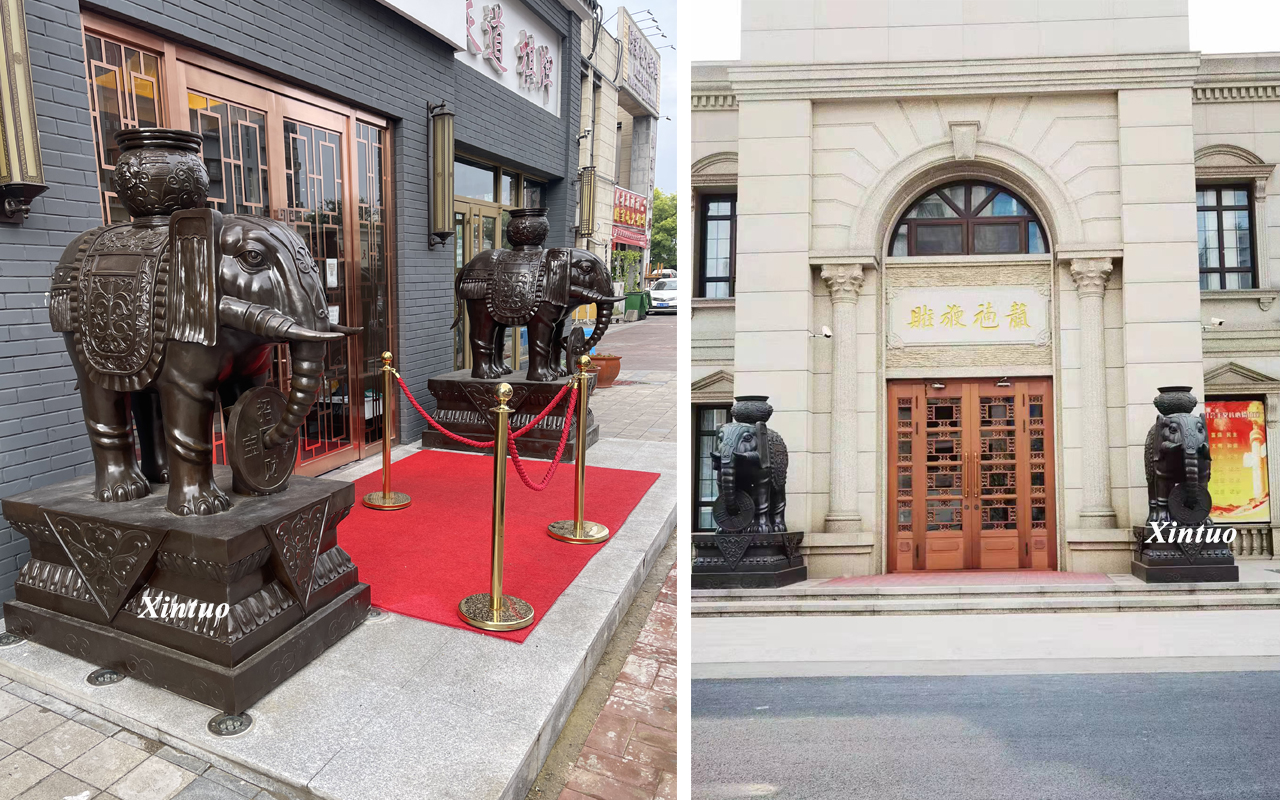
(386, 500)
(492, 610)
(578, 530)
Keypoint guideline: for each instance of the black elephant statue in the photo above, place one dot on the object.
(528, 285)
(169, 314)
(1177, 460)
(750, 461)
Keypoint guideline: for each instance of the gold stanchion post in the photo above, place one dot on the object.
(386, 500)
(493, 610)
(578, 530)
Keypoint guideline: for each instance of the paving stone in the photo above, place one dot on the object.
(619, 769)
(205, 789)
(660, 760)
(106, 762)
(648, 697)
(134, 740)
(596, 785)
(11, 704)
(101, 725)
(59, 786)
(105, 796)
(64, 744)
(640, 671)
(664, 685)
(569, 794)
(28, 725)
(667, 787)
(184, 760)
(24, 691)
(655, 737)
(19, 772)
(153, 779)
(610, 734)
(57, 706)
(229, 781)
(641, 713)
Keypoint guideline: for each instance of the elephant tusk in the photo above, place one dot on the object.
(345, 330)
(267, 322)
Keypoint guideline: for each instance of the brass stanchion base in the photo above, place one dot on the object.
(386, 502)
(565, 531)
(477, 611)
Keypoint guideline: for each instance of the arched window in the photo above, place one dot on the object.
(968, 218)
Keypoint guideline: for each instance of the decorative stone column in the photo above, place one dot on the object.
(844, 281)
(1090, 275)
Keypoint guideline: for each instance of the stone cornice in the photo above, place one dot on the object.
(971, 77)
(1236, 92)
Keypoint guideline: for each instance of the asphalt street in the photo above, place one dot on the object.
(1164, 736)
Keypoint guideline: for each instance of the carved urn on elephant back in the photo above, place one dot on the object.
(164, 318)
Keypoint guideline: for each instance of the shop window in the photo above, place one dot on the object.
(124, 92)
(473, 180)
(968, 218)
(1224, 231)
(717, 260)
(707, 419)
(535, 194)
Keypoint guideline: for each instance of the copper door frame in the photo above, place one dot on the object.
(914, 558)
(178, 66)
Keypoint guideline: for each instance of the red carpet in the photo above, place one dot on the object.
(424, 559)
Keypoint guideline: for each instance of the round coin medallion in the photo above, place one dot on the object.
(1189, 503)
(738, 520)
(256, 468)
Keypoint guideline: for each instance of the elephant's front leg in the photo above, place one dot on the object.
(541, 330)
(500, 349)
(761, 523)
(482, 325)
(558, 361)
(779, 509)
(106, 417)
(188, 401)
(151, 444)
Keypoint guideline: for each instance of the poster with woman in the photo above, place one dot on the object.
(1238, 447)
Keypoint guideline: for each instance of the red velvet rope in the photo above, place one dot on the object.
(486, 445)
(555, 462)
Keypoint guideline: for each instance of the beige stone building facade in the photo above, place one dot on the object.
(1016, 221)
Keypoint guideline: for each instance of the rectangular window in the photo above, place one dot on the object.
(707, 420)
(716, 268)
(1224, 231)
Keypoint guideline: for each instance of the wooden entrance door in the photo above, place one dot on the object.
(972, 478)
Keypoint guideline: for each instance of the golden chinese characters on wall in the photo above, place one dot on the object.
(968, 315)
(1238, 447)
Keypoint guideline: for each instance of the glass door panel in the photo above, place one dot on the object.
(374, 277)
(234, 152)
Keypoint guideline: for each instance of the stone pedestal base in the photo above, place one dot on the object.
(747, 561)
(464, 403)
(1210, 562)
(105, 579)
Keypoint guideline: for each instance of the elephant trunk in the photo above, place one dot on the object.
(304, 385)
(271, 324)
(727, 476)
(1192, 466)
(604, 313)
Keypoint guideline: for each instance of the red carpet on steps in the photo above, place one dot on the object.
(424, 559)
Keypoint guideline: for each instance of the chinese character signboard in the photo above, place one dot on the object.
(510, 44)
(641, 71)
(630, 217)
(1238, 447)
(968, 315)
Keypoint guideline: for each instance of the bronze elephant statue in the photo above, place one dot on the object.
(528, 285)
(1176, 454)
(750, 462)
(167, 315)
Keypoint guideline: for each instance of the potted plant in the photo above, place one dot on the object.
(608, 366)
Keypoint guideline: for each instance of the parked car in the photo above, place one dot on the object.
(663, 293)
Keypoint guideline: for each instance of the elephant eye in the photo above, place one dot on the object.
(252, 259)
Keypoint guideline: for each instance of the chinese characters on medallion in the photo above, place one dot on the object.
(986, 317)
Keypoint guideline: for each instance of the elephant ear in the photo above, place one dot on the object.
(194, 255)
(762, 444)
(557, 263)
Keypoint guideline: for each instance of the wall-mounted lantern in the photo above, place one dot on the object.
(587, 204)
(21, 171)
(442, 173)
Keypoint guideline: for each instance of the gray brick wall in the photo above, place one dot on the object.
(356, 51)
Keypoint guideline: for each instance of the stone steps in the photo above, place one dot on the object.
(869, 601)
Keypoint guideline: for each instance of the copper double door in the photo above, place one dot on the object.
(972, 480)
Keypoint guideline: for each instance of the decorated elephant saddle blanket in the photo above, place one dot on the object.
(109, 292)
(522, 280)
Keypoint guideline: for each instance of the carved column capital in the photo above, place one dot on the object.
(1090, 274)
(844, 281)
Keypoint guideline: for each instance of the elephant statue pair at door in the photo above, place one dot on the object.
(750, 461)
(168, 315)
(530, 286)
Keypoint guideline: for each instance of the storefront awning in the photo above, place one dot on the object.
(625, 234)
